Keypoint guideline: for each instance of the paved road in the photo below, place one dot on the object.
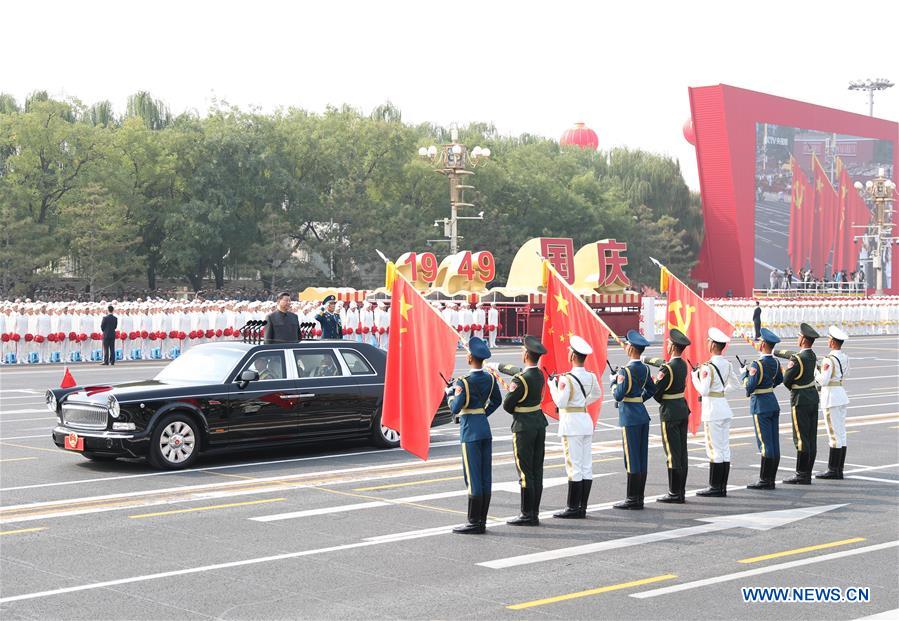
(348, 531)
(772, 234)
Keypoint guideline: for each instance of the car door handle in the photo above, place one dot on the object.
(303, 395)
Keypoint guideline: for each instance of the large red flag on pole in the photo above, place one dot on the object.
(691, 315)
(421, 347)
(800, 205)
(825, 204)
(566, 315)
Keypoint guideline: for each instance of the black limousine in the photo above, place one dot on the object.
(231, 395)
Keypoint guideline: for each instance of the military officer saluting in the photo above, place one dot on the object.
(799, 377)
(760, 378)
(711, 381)
(472, 399)
(671, 381)
(631, 386)
(572, 392)
(329, 320)
(834, 400)
(528, 428)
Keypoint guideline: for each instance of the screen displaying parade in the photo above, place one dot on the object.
(304, 318)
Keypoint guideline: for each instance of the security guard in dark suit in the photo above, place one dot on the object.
(631, 386)
(329, 320)
(800, 379)
(472, 399)
(760, 378)
(671, 381)
(528, 428)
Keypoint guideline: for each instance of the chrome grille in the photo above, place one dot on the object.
(84, 416)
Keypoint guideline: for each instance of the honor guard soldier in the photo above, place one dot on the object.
(528, 428)
(760, 378)
(834, 400)
(671, 381)
(572, 392)
(329, 320)
(631, 386)
(472, 399)
(799, 377)
(711, 380)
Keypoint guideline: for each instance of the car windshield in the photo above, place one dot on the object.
(210, 365)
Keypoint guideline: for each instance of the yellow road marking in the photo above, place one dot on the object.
(605, 589)
(406, 484)
(230, 504)
(21, 530)
(17, 459)
(820, 546)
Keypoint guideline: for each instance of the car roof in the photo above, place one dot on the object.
(308, 343)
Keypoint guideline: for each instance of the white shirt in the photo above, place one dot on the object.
(834, 368)
(706, 380)
(566, 393)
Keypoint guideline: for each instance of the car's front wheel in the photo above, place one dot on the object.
(382, 436)
(175, 443)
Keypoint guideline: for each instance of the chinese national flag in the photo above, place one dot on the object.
(826, 202)
(843, 237)
(567, 314)
(800, 205)
(691, 315)
(421, 346)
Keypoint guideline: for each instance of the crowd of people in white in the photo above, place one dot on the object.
(35, 332)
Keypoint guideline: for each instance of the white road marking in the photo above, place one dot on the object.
(886, 615)
(43, 435)
(765, 520)
(28, 411)
(878, 480)
(25, 390)
(763, 570)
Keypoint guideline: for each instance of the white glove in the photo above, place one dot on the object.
(643, 358)
(613, 377)
(449, 390)
(492, 365)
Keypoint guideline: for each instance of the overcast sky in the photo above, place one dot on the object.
(622, 67)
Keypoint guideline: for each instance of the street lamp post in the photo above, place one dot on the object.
(869, 85)
(879, 191)
(455, 161)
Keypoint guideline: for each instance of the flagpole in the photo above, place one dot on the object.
(396, 274)
(581, 300)
(671, 275)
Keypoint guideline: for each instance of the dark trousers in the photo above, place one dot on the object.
(109, 351)
(805, 432)
(635, 439)
(477, 464)
(758, 329)
(674, 440)
(529, 448)
(767, 434)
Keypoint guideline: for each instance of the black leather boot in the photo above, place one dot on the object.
(833, 465)
(714, 490)
(535, 505)
(524, 518)
(572, 511)
(803, 470)
(842, 460)
(485, 507)
(674, 494)
(634, 498)
(586, 484)
(725, 475)
(474, 527)
(764, 471)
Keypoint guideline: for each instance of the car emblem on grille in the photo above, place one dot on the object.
(72, 439)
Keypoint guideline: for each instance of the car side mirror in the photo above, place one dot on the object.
(247, 376)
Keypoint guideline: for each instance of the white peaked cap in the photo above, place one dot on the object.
(718, 336)
(837, 334)
(580, 346)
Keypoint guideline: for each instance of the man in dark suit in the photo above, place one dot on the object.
(108, 327)
(282, 326)
(757, 320)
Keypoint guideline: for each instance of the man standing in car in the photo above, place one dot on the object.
(108, 327)
(282, 325)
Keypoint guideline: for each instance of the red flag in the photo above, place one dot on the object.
(67, 380)
(843, 250)
(691, 315)
(800, 206)
(825, 204)
(567, 314)
(421, 346)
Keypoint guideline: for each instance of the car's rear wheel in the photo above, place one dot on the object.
(382, 436)
(95, 457)
(175, 443)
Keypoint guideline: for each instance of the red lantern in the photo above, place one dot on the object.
(29, 337)
(16, 337)
(218, 333)
(153, 336)
(192, 334)
(39, 339)
(5, 337)
(381, 330)
(173, 334)
(689, 132)
(144, 334)
(228, 332)
(73, 336)
(182, 335)
(82, 337)
(210, 333)
(580, 136)
(60, 336)
(51, 337)
(366, 330)
(358, 330)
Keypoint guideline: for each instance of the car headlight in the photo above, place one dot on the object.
(123, 426)
(113, 407)
(51, 401)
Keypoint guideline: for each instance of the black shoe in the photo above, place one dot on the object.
(765, 470)
(573, 510)
(842, 459)
(803, 473)
(714, 490)
(833, 465)
(524, 515)
(725, 475)
(474, 527)
(586, 484)
(634, 500)
(485, 507)
(674, 493)
(535, 504)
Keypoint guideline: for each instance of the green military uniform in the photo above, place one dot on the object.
(799, 377)
(670, 384)
(528, 431)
